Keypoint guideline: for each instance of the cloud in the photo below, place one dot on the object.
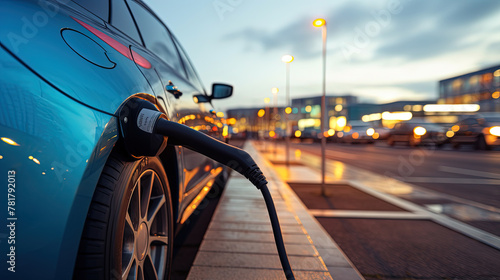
(298, 37)
(423, 29)
(429, 29)
(283, 39)
(425, 89)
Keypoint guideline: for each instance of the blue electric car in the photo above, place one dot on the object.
(74, 204)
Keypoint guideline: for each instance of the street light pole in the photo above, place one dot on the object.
(287, 59)
(267, 119)
(322, 23)
(275, 95)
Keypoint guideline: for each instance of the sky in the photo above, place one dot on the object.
(378, 50)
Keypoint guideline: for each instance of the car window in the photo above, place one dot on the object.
(156, 36)
(190, 71)
(99, 8)
(493, 120)
(432, 126)
(421, 124)
(121, 19)
(470, 122)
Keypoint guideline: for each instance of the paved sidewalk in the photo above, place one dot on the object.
(239, 243)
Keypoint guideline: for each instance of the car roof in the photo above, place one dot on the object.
(358, 123)
(487, 115)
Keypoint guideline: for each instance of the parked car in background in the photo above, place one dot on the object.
(381, 133)
(308, 133)
(357, 132)
(86, 209)
(481, 130)
(417, 132)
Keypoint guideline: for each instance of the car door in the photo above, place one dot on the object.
(398, 132)
(177, 92)
(471, 127)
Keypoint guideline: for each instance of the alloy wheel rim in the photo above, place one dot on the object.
(145, 236)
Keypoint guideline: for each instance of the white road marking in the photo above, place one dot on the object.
(469, 172)
(368, 214)
(473, 232)
(439, 180)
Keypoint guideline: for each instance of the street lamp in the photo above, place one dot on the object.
(319, 22)
(275, 113)
(322, 23)
(287, 59)
(267, 119)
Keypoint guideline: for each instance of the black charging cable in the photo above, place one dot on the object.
(146, 131)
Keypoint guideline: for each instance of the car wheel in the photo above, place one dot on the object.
(481, 144)
(455, 145)
(128, 233)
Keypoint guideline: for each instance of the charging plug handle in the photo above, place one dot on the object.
(235, 158)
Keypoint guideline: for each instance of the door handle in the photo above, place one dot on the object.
(173, 90)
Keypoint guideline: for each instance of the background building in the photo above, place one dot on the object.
(479, 87)
(307, 110)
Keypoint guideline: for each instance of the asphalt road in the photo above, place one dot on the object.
(468, 174)
(400, 249)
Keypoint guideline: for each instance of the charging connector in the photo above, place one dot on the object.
(146, 131)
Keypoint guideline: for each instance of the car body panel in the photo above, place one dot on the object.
(357, 134)
(404, 132)
(43, 122)
(471, 129)
(60, 87)
(47, 53)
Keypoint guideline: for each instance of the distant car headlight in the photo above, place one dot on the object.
(450, 133)
(370, 131)
(495, 130)
(298, 133)
(419, 131)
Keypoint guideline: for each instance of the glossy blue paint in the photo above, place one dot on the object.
(60, 86)
(39, 44)
(62, 148)
(87, 48)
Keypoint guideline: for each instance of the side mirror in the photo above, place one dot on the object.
(201, 98)
(220, 91)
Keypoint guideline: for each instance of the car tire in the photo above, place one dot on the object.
(455, 145)
(128, 233)
(481, 144)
